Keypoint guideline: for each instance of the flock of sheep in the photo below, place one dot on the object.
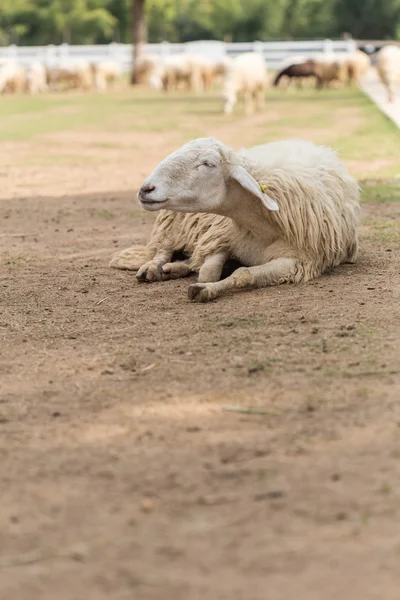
(287, 211)
(66, 74)
(245, 75)
(348, 69)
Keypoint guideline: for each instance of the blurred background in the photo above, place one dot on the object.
(40, 22)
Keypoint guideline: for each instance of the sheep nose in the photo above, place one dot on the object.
(147, 189)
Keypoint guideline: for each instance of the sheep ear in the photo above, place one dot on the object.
(248, 183)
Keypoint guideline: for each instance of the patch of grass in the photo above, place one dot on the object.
(342, 118)
(376, 191)
(13, 262)
(102, 213)
(331, 373)
(383, 231)
(385, 489)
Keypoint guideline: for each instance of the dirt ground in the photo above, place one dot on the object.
(123, 472)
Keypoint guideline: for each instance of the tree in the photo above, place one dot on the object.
(139, 34)
(368, 19)
(102, 21)
(44, 22)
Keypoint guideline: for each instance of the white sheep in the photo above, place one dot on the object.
(105, 74)
(355, 66)
(71, 73)
(144, 66)
(172, 71)
(210, 70)
(288, 211)
(247, 75)
(12, 78)
(330, 68)
(36, 78)
(388, 67)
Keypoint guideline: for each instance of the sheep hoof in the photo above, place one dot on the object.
(150, 272)
(199, 292)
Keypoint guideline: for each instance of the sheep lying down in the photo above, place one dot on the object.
(287, 211)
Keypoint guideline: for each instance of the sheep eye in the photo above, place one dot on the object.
(206, 163)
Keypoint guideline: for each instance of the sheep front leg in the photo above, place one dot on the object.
(391, 92)
(260, 98)
(248, 102)
(152, 270)
(279, 270)
(176, 270)
(212, 267)
(210, 270)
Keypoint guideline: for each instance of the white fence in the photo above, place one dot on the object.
(273, 52)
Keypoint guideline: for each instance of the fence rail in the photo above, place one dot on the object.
(273, 52)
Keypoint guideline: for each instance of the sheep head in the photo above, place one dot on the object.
(200, 177)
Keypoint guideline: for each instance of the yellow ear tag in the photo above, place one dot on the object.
(263, 187)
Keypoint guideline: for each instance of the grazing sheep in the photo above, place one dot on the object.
(330, 68)
(247, 75)
(211, 70)
(144, 66)
(355, 65)
(105, 74)
(221, 65)
(207, 69)
(172, 71)
(308, 68)
(290, 207)
(12, 78)
(193, 71)
(72, 74)
(388, 67)
(36, 78)
(294, 59)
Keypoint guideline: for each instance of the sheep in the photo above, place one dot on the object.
(12, 78)
(73, 74)
(194, 71)
(388, 67)
(221, 65)
(291, 212)
(36, 78)
(171, 71)
(105, 74)
(210, 70)
(206, 71)
(355, 65)
(144, 66)
(326, 68)
(247, 74)
(330, 68)
(308, 68)
(294, 59)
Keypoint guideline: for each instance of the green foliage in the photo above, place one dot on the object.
(374, 19)
(56, 21)
(101, 21)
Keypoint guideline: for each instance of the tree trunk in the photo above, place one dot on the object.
(138, 33)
